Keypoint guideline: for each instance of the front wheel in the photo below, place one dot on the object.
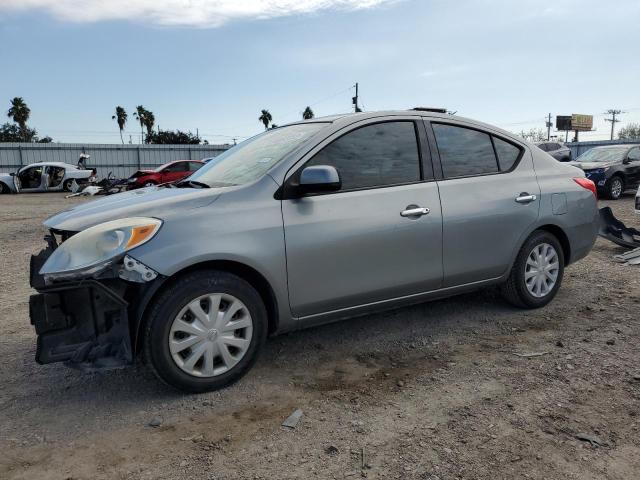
(205, 331)
(67, 185)
(537, 272)
(615, 188)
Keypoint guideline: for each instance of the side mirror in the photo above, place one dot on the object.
(626, 161)
(318, 179)
(13, 174)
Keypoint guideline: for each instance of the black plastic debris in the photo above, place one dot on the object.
(614, 230)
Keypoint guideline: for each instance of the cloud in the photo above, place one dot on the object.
(199, 13)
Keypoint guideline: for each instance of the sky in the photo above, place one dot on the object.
(212, 65)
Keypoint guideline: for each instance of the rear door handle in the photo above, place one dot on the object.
(414, 211)
(525, 198)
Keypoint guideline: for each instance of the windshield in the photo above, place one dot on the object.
(251, 159)
(603, 155)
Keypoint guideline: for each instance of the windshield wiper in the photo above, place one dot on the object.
(192, 184)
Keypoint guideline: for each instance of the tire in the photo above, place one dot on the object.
(149, 184)
(516, 290)
(3, 188)
(163, 326)
(67, 185)
(615, 187)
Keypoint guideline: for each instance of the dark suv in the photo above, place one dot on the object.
(556, 150)
(613, 168)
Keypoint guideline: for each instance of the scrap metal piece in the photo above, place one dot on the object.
(293, 419)
(617, 232)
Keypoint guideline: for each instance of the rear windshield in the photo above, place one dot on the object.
(603, 155)
(251, 159)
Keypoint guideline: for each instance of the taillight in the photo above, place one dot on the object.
(588, 184)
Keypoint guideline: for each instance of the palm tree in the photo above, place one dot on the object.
(265, 118)
(140, 115)
(307, 114)
(149, 121)
(19, 112)
(121, 118)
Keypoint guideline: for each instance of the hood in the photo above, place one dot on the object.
(160, 202)
(140, 173)
(593, 165)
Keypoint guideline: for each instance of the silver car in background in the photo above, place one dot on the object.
(305, 224)
(557, 150)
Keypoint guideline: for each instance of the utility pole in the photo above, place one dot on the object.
(549, 127)
(355, 100)
(613, 119)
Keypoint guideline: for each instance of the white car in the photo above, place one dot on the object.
(44, 177)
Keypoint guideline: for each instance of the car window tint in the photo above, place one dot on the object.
(507, 154)
(634, 154)
(193, 166)
(464, 151)
(374, 156)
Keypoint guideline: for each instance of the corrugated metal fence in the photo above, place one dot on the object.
(578, 148)
(121, 160)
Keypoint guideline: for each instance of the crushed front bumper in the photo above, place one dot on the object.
(83, 323)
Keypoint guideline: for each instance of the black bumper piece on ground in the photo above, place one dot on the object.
(614, 230)
(83, 323)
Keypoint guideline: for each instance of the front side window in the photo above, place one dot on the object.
(193, 166)
(376, 155)
(464, 152)
(634, 154)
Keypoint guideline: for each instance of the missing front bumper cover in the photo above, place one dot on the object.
(83, 323)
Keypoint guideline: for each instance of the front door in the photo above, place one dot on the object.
(490, 198)
(358, 245)
(31, 179)
(633, 167)
(174, 172)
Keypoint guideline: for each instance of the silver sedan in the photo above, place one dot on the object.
(301, 225)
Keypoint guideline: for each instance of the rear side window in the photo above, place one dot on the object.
(464, 151)
(374, 156)
(193, 166)
(508, 154)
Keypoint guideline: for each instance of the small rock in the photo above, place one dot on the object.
(611, 341)
(400, 383)
(183, 463)
(155, 421)
(331, 450)
(559, 344)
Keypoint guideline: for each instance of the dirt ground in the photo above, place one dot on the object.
(428, 392)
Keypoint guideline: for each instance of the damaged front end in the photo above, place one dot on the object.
(87, 317)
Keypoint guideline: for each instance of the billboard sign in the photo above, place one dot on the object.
(583, 123)
(577, 121)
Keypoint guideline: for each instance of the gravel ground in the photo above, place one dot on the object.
(428, 392)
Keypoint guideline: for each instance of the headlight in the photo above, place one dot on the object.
(97, 247)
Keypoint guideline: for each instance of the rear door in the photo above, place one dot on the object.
(353, 247)
(490, 198)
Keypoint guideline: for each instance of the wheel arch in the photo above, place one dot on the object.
(242, 270)
(562, 237)
(6, 188)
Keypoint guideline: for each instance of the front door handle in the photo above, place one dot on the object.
(524, 197)
(414, 211)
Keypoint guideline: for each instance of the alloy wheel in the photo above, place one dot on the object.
(541, 270)
(616, 188)
(210, 335)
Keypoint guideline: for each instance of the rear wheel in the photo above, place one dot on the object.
(67, 185)
(205, 331)
(615, 188)
(537, 272)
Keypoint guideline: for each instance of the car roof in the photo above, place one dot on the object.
(52, 164)
(184, 160)
(430, 114)
(628, 146)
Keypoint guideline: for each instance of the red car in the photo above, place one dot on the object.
(167, 173)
